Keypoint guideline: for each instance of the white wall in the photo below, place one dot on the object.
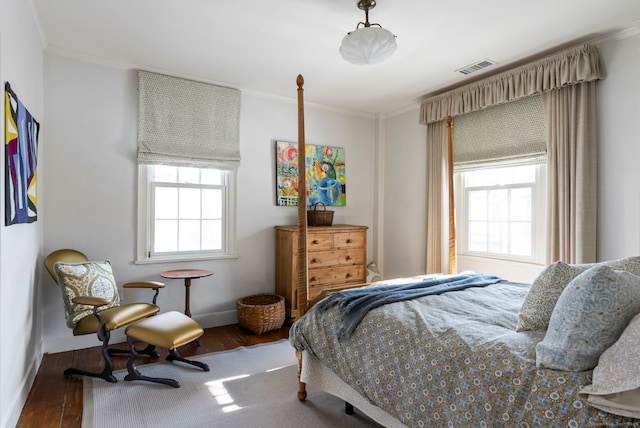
(404, 203)
(20, 245)
(89, 189)
(619, 151)
(619, 174)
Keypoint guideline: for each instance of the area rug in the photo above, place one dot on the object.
(247, 387)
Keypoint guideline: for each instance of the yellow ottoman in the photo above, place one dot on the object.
(169, 330)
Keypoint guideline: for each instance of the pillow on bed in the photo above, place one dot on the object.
(547, 287)
(616, 384)
(590, 315)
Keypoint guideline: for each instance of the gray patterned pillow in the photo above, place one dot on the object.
(616, 384)
(547, 287)
(590, 315)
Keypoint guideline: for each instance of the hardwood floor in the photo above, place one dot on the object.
(55, 400)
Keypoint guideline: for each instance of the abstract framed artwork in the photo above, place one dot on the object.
(21, 152)
(326, 174)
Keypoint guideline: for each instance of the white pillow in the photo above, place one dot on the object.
(590, 315)
(616, 380)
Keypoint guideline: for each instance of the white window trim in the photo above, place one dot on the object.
(539, 220)
(144, 226)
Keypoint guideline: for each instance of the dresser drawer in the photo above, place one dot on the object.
(349, 240)
(320, 259)
(336, 275)
(316, 289)
(319, 241)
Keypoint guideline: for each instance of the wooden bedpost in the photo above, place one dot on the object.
(302, 387)
(453, 260)
(302, 290)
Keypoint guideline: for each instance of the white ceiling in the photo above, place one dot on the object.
(261, 46)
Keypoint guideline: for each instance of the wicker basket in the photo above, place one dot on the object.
(319, 218)
(261, 312)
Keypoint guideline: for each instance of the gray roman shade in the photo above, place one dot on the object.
(506, 134)
(187, 123)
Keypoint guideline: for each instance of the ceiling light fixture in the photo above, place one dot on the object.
(370, 44)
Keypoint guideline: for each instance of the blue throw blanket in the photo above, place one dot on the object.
(354, 304)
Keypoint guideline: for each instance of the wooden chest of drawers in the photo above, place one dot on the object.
(336, 255)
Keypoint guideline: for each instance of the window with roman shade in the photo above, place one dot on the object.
(567, 83)
(188, 155)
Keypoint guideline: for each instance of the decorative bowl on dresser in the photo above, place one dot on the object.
(336, 256)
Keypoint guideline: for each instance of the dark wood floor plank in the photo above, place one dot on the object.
(72, 414)
(48, 391)
(55, 400)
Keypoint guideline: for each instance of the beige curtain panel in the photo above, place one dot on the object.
(572, 66)
(572, 168)
(187, 123)
(436, 191)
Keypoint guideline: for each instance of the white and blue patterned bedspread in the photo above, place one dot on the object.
(452, 360)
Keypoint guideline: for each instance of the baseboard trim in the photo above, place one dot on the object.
(15, 408)
(216, 319)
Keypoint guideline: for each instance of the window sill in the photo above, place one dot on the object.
(516, 271)
(183, 259)
(499, 258)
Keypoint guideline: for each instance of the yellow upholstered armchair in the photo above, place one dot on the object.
(92, 303)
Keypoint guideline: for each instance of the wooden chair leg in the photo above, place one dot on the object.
(302, 387)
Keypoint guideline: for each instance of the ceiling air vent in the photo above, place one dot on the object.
(477, 66)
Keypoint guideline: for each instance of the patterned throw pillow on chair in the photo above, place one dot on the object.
(93, 279)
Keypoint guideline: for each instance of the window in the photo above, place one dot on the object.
(185, 213)
(502, 212)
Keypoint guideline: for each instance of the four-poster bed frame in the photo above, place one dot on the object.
(495, 364)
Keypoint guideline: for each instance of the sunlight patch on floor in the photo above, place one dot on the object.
(276, 368)
(222, 396)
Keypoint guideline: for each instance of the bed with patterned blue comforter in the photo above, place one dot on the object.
(451, 359)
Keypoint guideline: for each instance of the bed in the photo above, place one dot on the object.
(453, 359)
(561, 352)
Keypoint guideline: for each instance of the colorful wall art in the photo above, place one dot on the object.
(326, 177)
(21, 152)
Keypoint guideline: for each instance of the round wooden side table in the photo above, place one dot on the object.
(187, 275)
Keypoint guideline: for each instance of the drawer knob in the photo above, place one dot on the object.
(315, 241)
(313, 279)
(349, 241)
(348, 258)
(314, 260)
(348, 275)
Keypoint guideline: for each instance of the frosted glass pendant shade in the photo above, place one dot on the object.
(368, 45)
